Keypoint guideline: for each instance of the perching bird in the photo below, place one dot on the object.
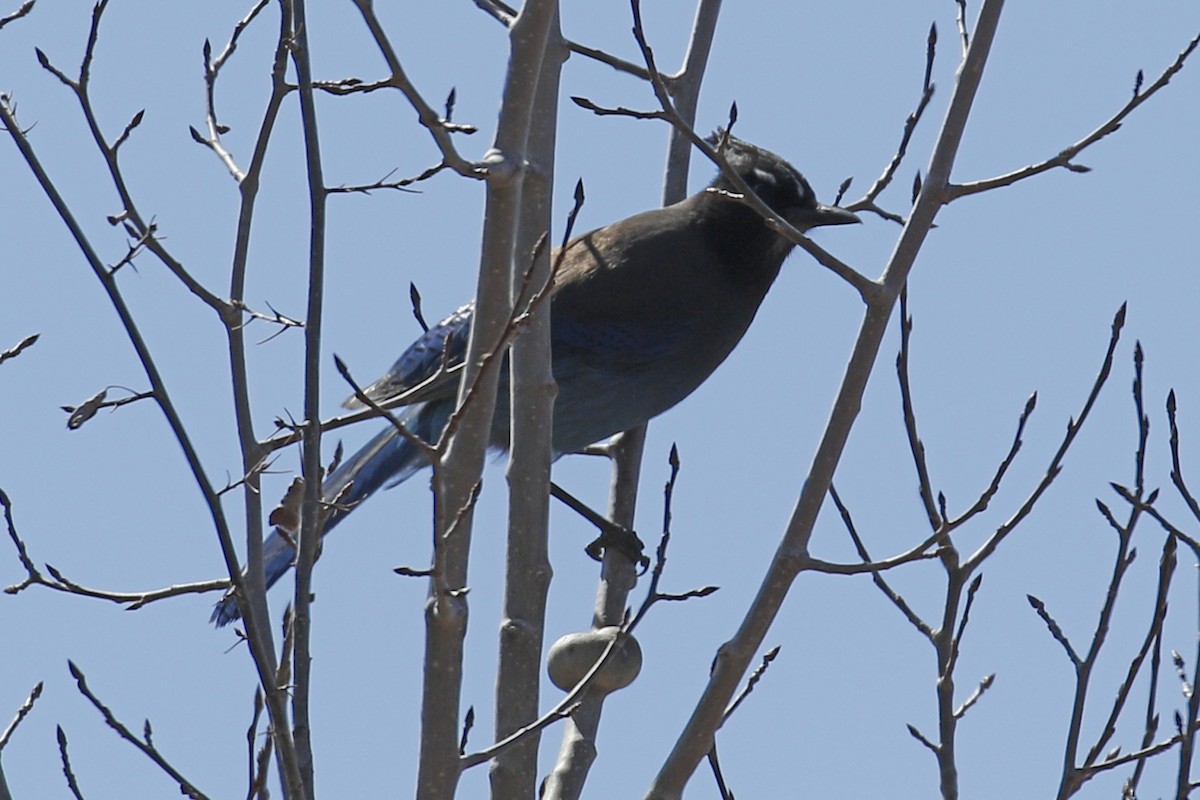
(643, 311)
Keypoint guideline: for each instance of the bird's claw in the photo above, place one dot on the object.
(623, 540)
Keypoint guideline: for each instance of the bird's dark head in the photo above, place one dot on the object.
(778, 183)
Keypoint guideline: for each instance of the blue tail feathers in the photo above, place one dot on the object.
(386, 460)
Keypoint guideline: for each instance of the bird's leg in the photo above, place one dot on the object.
(612, 535)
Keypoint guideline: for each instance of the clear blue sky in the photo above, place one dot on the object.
(1014, 292)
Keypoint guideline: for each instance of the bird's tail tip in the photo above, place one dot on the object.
(225, 612)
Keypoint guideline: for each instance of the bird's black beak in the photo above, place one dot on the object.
(830, 215)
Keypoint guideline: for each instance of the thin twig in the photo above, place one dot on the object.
(24, 9)
(22, 712)
(506, 15)
(68, 771)
(1065, 158)
(956, 642)
(1153, 634)
(59, 582)
(985, 497)
(892, 595)
(984, 685)
(438, 128)
(212, 71)
(866, 288)
(960, 18)
(1055, 630)
(915, 445)
(1176, 468)
(16, 349)
(143, 230)
(145, 745)
(1055, 466)
(755, 677)
(868, 201)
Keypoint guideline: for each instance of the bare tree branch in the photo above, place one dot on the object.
(21, 11)
(1066, 157)
(16, 349)
(144, 744)
(22, 712)
(868, 201)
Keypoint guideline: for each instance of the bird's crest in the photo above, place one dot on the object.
(772, 178)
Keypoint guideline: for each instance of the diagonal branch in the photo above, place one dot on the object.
(866, 288)
(427, 115)
(24, 9)
(17, 348)
(891, 594)
(1065, 158)
(145, 744)
(867, 203)
(733, 659)
(1055, 466)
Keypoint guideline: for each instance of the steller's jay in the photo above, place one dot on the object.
(642, 312)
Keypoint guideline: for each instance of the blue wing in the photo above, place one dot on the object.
(388, 458)
(615, 341)
(431, 357)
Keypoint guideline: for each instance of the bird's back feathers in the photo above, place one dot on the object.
(642, 313)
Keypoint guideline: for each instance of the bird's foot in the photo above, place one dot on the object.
(623, 540)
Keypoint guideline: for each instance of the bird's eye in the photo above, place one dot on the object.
(803, 193)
